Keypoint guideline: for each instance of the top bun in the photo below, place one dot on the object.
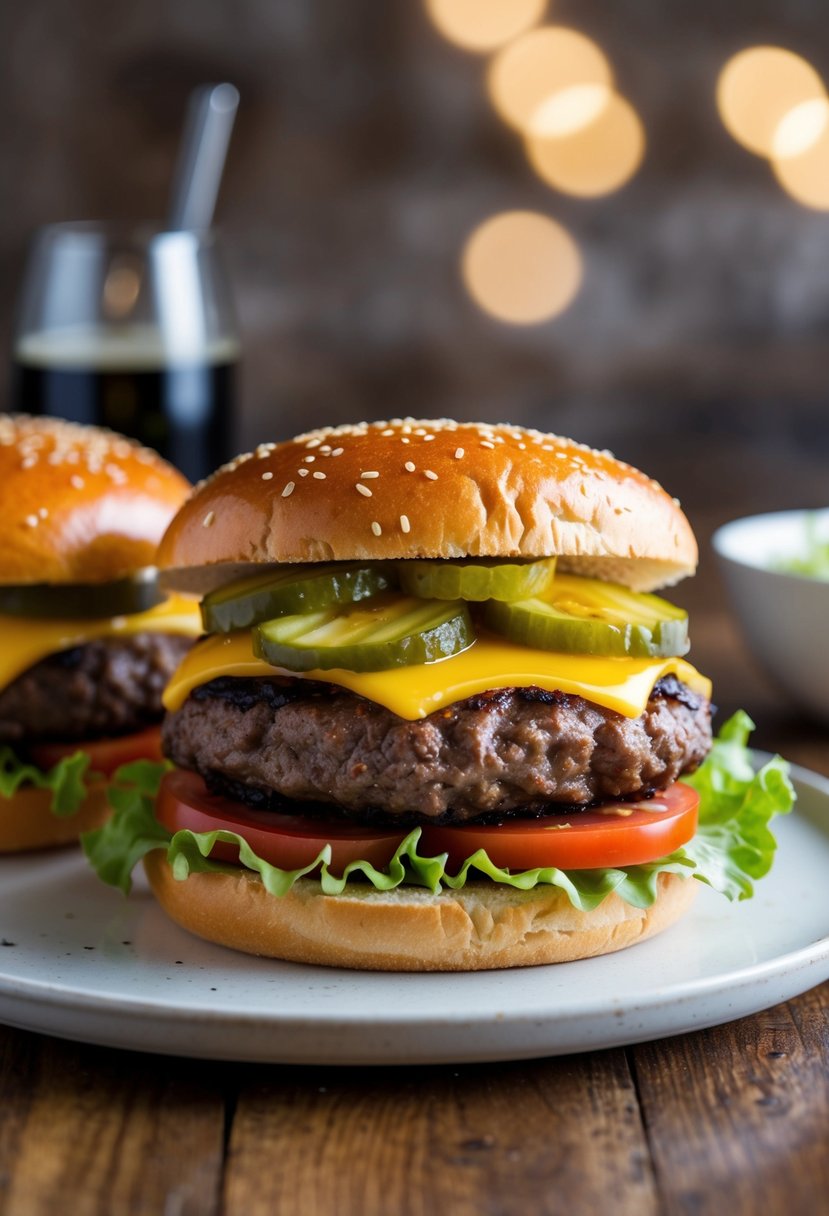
(409, 489)
(79, 504)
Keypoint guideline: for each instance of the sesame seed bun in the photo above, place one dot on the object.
(79, 504)
(482, 927)
(439, 489)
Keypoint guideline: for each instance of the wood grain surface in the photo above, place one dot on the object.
(731, 1120)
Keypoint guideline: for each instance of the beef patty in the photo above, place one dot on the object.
(513, 751)
(108, 687)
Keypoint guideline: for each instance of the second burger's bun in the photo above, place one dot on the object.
(439, 489)
(27, 821)
(79, 504)
(482, 927)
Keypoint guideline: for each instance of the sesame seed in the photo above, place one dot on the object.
(319, 476)
(428, 473)
(77, 482)
(405, 526)
(43, 513)
(32, 521)
(376, 529)
(459, 453)
(405, 439)
(303, 472)
(364, 490)
(208, 519)
(28, 462)
(428, 438)
(267, 476)
(338, 451)
(309, 459)
(289, 489)
(370, 473)
(410, 466)
(486, 444)
(389, 431)
(313, 443)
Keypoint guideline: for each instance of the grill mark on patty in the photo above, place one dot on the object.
(244, 692)
(274, 742)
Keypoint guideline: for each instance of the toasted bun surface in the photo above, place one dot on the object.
(480, 928)
(26, 822)
(440, 489)
(79, 504)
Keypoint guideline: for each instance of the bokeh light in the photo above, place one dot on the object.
(593, 159)
(570, 110)
(806, 177)
(540, 65)
(521, 267)
(800, 129)
(483, 25)
(758, 88)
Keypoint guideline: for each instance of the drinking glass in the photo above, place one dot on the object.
(132, 330)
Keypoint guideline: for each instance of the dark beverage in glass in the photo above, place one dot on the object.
(135, 334)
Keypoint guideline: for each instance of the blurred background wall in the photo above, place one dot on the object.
(367, 150)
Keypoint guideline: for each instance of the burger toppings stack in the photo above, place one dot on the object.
(440, 721)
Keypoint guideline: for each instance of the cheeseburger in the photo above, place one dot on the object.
(87, 642)
(439, 721)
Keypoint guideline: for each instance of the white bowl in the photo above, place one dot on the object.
(785, 617)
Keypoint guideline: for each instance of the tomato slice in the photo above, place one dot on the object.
(615, 834)
(287, 841)
(106, 755)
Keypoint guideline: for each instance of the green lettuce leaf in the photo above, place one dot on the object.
(66, 780)
(732, 848)
(734, 845)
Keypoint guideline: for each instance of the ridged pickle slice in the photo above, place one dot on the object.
(387, 631)
(291, 590)
(476, 578)
(83, 601)
(588, 616)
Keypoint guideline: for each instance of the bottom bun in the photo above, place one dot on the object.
(484, 926)
(27, 822)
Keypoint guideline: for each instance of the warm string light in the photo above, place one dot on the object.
(528, 74)
(555, 86)
(595, 158)
(521, 267)
(774, 103)
(484, 25)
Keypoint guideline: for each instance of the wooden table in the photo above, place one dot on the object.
(732, 1120)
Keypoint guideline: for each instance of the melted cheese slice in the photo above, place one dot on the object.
(490, 662)
(27, 640)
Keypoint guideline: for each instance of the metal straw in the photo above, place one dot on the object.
(210, 115)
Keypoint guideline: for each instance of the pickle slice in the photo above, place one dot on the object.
(290, 590)
(388, 631)
(78, 601)
(477, 578)
(588, 616)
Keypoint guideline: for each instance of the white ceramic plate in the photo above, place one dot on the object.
(79, 961)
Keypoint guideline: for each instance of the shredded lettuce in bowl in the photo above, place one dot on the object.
(733, 846)
(813, 562)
